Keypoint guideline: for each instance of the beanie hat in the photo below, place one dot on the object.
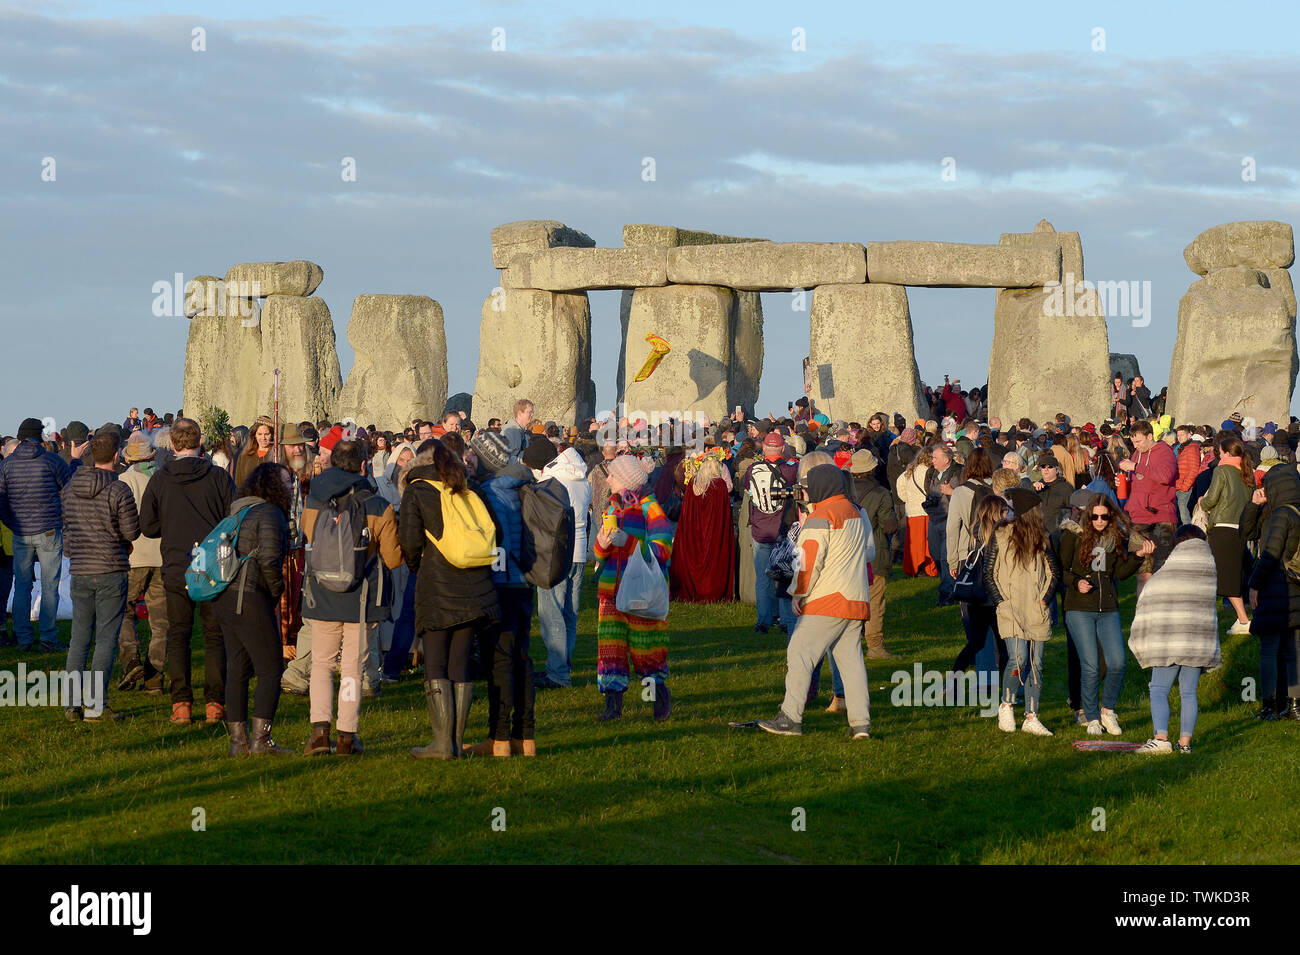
(908, 436)
(331, 437)
(492, 450)
(139, 447)
(627, 470)
(1228, 425)
(540, 452)
(76, 432)
(1022, 501)
(30, 428)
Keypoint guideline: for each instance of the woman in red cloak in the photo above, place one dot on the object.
(704, 557)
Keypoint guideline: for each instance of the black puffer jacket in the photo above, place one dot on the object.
(99, 520)
(182, 502)
(265, 535)
(1279, 536)
(1120, 564)
(445, 596)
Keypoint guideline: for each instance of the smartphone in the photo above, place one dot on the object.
(738, 411)
(789, 406)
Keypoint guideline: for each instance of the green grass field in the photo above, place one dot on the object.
(933, 785)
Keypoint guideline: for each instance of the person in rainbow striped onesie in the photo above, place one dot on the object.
(632, 515)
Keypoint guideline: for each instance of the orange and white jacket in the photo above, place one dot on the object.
(833, 573)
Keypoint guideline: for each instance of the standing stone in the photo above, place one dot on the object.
(746, 353)
(1122, 364)
(298, 338)
(462, 401)
(1044, 361)
(850, 379)
(533, 235)
(1236, 351)
(400, 372)
(1259, 244)
(299, 278)
(699, 322)
(536, 345)
(223, 361)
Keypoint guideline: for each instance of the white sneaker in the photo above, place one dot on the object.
(1239, 627)
(1007, 718)
(1080, 718)
(1110, 724)
(1153, 746)
(1094, 728)
(1033, 725)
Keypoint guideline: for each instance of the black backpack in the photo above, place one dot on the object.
(546, 547)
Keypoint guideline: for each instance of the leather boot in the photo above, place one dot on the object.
(262, 744)
(319, 744)
(238, 739)
(463, 694)
(523, 747)
(1292, 711)
(613, 706)
(1268, 710)
(349, 745)
(437, 695)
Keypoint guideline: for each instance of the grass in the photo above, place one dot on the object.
(933, 785)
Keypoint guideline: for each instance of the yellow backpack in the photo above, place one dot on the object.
(468, 534)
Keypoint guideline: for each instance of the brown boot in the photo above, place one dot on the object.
(319, 744)
(349, 745)
(876, 648)
(261, 743)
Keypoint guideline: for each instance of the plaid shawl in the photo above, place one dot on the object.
(1177, 619)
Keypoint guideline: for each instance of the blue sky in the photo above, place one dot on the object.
(175, 161)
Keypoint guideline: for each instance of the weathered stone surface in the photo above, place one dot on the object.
(1126, 365)
(768, 266)
(1257, 244)
(957, 265)
(204, 295)
(746, 353)
(223, 361)
(298, 338)
(1236, 277)
(533, 235)
(1236, 351)
(670, 237)
(462, 401)
(570, 270)
(698, 321)
(299, 278)
(1280, 281)
(851, 379)
(535, 345)
(1046, 236)
(400, 371)
(1042, 362)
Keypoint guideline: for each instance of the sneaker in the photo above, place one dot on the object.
(132, 670)
(1094, 728)
(1185, 750)
(181, 713)
(72, 714)
(1081, 717)
(759, 628)
(837, 705)
(105, 715)
(781, 725)
(1239, 627)
(1154, 746)
(1110, 724)
(294, 687)
(1033, 725)
(1007, 718)
(154, 685)
(214, 713)
(859, 732)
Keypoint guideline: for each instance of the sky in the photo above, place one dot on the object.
(1131, 124)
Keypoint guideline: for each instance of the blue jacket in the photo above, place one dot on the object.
(502, 494)
(31, 480)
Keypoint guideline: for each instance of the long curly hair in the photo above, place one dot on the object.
(270, 482)
(1116, 531)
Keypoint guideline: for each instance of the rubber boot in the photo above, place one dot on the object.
(437, 695)
(613, 706)
(262, 744)
(463, 695)
(238, 739)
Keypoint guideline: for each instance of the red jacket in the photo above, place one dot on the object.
(955, 403)
(1153, 480)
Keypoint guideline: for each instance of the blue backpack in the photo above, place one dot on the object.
(215, 562)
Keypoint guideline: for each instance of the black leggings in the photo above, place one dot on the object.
(978, 619)
(252, 648)
(446, 653)
(510, 681)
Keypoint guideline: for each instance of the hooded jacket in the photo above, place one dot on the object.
(1151, 485)
(31, 480)
(146, 552)
(835, 548)
(446, 597)
(571, 471)
(318, 603)
(265, 535)
(99, 521)
(182, 502)
(501, 491)
(1279, 599)
(1020, 593)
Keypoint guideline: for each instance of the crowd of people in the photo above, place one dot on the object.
(330, 550)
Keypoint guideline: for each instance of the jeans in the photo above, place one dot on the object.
(1024, 655)
(557, 612)
(764, 586)
(28, 549)
(938, 535)
(403, 633)
(1184, 512)
(1277, 664)
(98, 603)
(815, 637)
(1162, 681)
(1089, 632)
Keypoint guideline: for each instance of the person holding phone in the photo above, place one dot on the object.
(1153, 475)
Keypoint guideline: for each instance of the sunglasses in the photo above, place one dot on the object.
(1105, 518)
